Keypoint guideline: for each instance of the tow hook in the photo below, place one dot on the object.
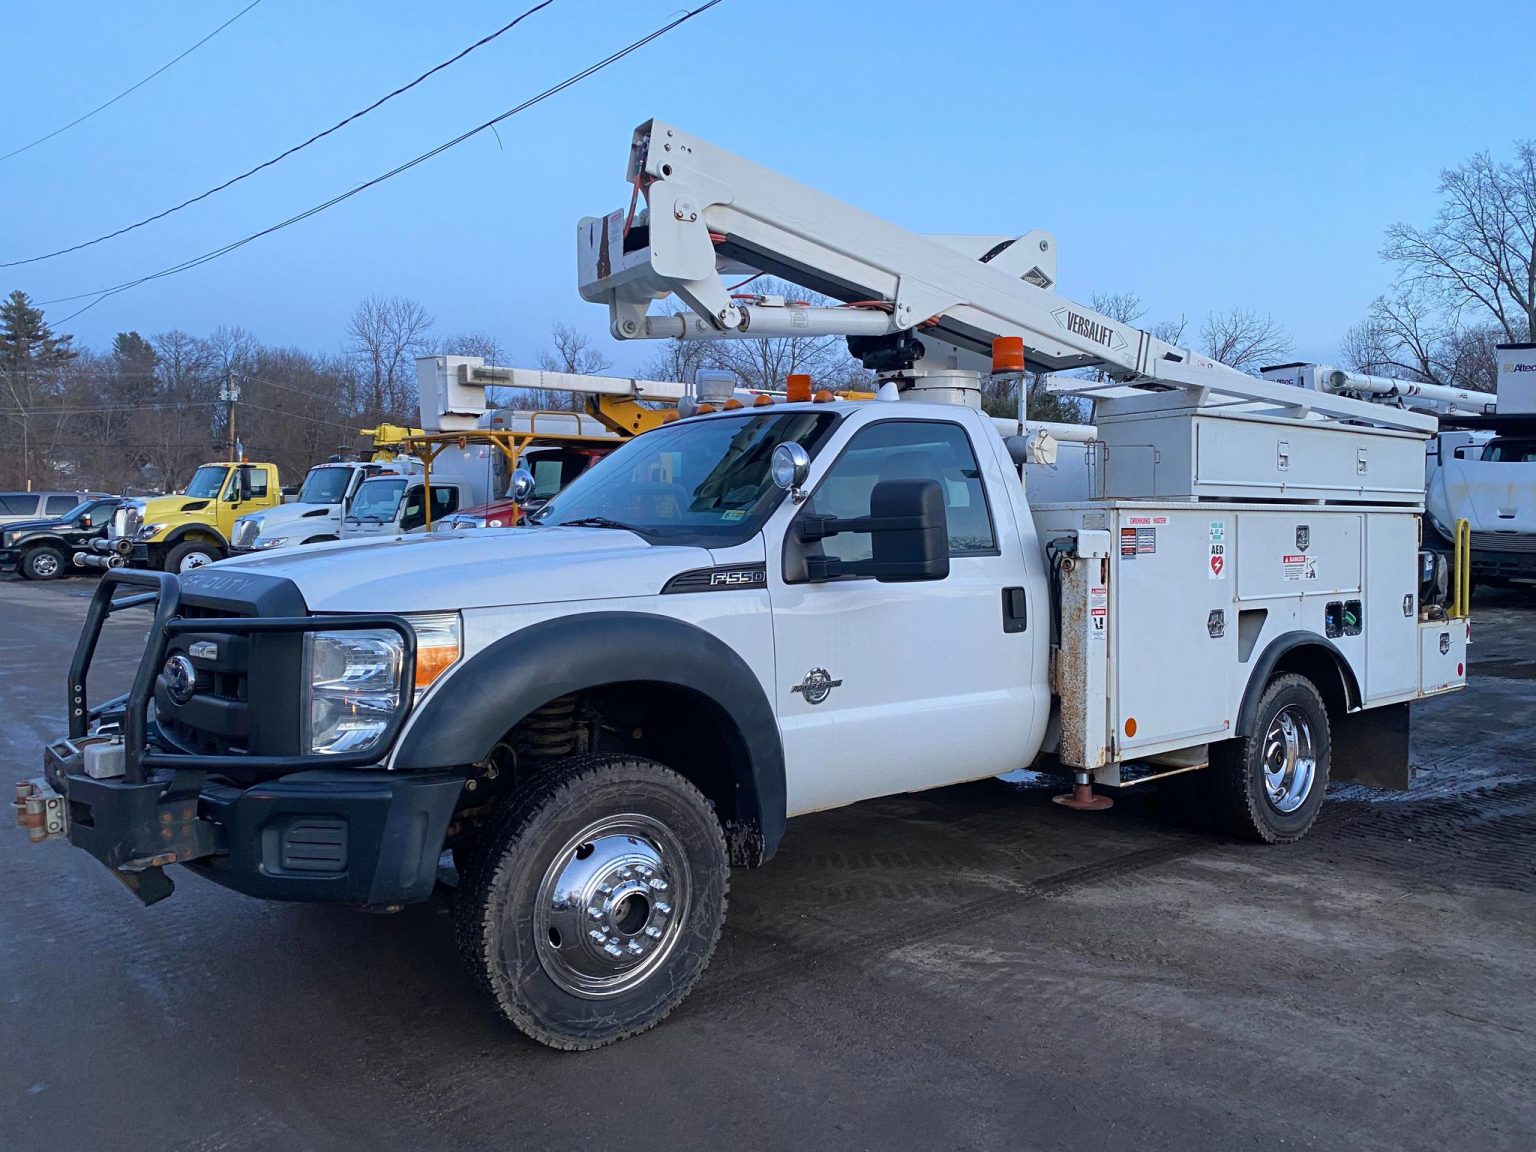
(41, 811)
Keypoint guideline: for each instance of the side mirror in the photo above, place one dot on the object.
(789, 466)
(521, 490)
(85, 521)
(908, 530)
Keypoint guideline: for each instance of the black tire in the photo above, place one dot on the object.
(1239, 790)
(44, 562)
(511, 941)
(178, 556)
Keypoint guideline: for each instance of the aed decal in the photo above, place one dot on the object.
(1216, 558)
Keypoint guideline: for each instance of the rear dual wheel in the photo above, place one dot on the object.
(1269, 786)
(592, 905)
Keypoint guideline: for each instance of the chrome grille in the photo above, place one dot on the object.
(245, 534)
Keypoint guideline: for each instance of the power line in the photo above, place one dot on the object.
(140, 84)
(283, 155)
(186, 265)
(43, 410)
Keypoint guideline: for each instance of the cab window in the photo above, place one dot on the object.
(907, 450)
(58, 505)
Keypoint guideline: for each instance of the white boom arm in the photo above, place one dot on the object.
(920, 309)
(1381, 389)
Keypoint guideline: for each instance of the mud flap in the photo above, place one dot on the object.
(151, 885)
(1371, 747)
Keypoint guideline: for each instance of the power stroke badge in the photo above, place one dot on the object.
(817, 685)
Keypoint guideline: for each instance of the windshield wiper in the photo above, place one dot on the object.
(596, 522)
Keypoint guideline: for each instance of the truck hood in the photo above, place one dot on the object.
(157, 508)
(270, 518)
(44, 525)
(1493, 495)
(472, 568)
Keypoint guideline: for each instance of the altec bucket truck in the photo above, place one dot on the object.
(772, 609)
(1479, 468)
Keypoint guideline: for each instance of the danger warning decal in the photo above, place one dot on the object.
(1098, 611)
(1216, 560)
(1298, 566)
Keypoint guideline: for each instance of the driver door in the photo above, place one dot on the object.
(895, 687)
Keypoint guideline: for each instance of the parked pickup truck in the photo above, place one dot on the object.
(44, 549)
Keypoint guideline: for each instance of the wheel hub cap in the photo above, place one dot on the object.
(1290, 759)
(193, 560)
(611, 906)
(45, 565)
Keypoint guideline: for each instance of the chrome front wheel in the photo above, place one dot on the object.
(612, 905)
(593, 901)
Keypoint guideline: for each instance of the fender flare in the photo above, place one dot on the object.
(177, 535)
(461, 721)
(27, 543)
(1264, 670)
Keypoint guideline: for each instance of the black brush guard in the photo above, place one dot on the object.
(147, 818)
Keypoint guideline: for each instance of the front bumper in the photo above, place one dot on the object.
(256, 816)
(10, 559)
(334, 836)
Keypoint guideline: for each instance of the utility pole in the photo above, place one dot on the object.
(230, 395)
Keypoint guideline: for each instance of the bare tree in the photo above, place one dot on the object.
(1170, 331)
(1125, 307)
(385, 335)
(1242, 339)
(1480, 253)
(573, 352)
(481, 344)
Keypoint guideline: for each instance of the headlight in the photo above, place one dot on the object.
(9, 538)
(352, 683)
(352, 679)
(276, 542)
(150, 530)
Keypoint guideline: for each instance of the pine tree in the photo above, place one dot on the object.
(26, 340)
(29, 352)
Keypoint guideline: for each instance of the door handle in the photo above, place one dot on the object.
(1015, 610)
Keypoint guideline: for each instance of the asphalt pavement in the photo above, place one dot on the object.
(967, 968)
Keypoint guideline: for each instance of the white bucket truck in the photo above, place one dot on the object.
(773, 609)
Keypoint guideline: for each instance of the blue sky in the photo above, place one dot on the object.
(1202, 155)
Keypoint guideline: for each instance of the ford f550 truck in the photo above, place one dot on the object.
(755, 613)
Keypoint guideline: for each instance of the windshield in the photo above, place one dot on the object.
(325, 486)
(376, 501)
(697, 482)
(206, 482)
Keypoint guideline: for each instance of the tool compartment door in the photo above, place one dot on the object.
(1174, 628)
